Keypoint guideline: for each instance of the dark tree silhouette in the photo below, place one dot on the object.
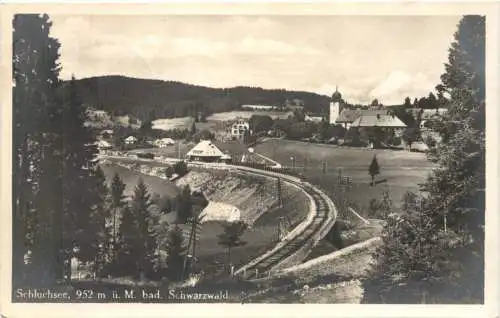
(176, 253)
(374, 169)
(231, 237)
(117, 203)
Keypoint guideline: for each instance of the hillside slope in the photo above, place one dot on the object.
(151, 99)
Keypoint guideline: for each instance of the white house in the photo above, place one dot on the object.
(130, 140)
(164, 142)
(238, 128)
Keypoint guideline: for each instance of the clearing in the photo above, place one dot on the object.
(400, 171)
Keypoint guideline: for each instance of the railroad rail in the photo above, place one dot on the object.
(296, 247)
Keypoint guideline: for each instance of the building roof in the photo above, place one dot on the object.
(378, 120)
(205, 148)
(348, 115)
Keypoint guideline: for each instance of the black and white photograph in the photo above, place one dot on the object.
(247, 158)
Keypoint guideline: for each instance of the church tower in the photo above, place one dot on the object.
(335, 106)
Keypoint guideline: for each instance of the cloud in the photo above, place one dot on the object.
(399, 84)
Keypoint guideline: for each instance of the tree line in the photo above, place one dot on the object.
(150, 99)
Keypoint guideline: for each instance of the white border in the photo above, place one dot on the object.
(490, 309)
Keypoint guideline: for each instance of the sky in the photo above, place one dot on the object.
(367, 57)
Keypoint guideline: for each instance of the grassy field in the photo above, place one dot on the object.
(173, 123)
(246, 114)
(400, 171)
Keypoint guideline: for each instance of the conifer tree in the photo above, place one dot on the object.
(374, 169)
(117, 203)
(184, 206)
(443, 244)
(98, 233)
(231, 237)
(37, 148)
(407, 103)
(457, 189)
(176, 252)
(126, 255)
(146, 241)
(78, 151)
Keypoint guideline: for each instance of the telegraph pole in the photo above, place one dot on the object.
(279, 195)
(193, 236)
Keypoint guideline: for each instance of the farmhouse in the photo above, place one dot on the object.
(205, 151)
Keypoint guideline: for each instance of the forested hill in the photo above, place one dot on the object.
(149, 99)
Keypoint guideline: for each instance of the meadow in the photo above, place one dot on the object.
(400, 171)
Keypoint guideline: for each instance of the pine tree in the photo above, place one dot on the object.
(457, 189)
(405, 263)
(450, 222)
(185, 206)
(79, 151)
(127, 248)
(374, 169)
(98, 233)
(146, 241)
(176, 253)
(37, 149)
(407, 103)
(117, 203)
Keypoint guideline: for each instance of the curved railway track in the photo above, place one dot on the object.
(304, 237)
(325, 214)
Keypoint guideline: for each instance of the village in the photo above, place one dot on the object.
(344, 125)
